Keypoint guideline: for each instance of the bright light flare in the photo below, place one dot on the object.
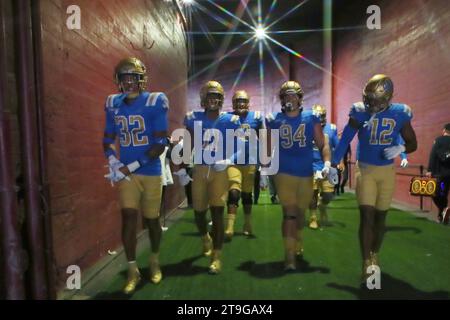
(260, 33)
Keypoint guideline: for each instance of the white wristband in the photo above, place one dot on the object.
(133, 166)
(327, 164)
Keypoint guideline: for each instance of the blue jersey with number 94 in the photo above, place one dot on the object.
(296, 141)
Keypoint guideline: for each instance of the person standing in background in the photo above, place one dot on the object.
(439, 167)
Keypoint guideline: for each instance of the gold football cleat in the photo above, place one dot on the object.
(229, 231)
(155, 270)
(313, 222)
(216, 265)
(207, 245)
(134, 277)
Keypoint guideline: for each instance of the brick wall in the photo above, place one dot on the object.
(78, 73)
(411, 48)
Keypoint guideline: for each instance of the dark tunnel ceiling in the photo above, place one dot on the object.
(308, 16)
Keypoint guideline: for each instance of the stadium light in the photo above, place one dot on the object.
(260, 32)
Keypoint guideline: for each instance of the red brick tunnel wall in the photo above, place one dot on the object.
(78, 76)
(412, 48)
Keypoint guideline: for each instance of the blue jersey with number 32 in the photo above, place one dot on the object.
(135, 124)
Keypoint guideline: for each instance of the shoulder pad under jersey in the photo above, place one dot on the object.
(111, 100)
(190, 115)
(270, 117)
(359, 107)
(154, 97)
(407, 110)
(234, 118)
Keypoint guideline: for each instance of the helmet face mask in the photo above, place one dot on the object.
(131, 76)
(378, 93)
(291, 96)
(129, 84)
(212, 96)
(291, 102)
(214, 101)
(241, 102)
(321, 113)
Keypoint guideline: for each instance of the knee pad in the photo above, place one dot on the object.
(233, 197)
(326, 197)
(247, 198)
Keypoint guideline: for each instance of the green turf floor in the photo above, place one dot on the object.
(415, 261)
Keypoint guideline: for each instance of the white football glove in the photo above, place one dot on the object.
(404, 163)
(326, 169)
(394, 151)
(333, 176)
(114, 163)
(115, 175)
(183, 177)
(221, 165)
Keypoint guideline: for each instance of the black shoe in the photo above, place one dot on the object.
(274, 200)
(439, 217)
(342, 190)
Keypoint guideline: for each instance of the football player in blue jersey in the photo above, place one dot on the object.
(210, 180)
(297, 128)
(378, 123)
(139, 119)
(322, 185)
(242, 175)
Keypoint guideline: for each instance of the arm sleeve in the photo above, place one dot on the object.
(334, 140)
(400, 141)
(341, 149)
(109, 122)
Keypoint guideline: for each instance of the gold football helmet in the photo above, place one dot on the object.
(288, 88)
(320, 111)
(241, 101)
(377, 93)
(131, 66)
(212, 95)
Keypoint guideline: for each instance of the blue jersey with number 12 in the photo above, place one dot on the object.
(382, 132)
